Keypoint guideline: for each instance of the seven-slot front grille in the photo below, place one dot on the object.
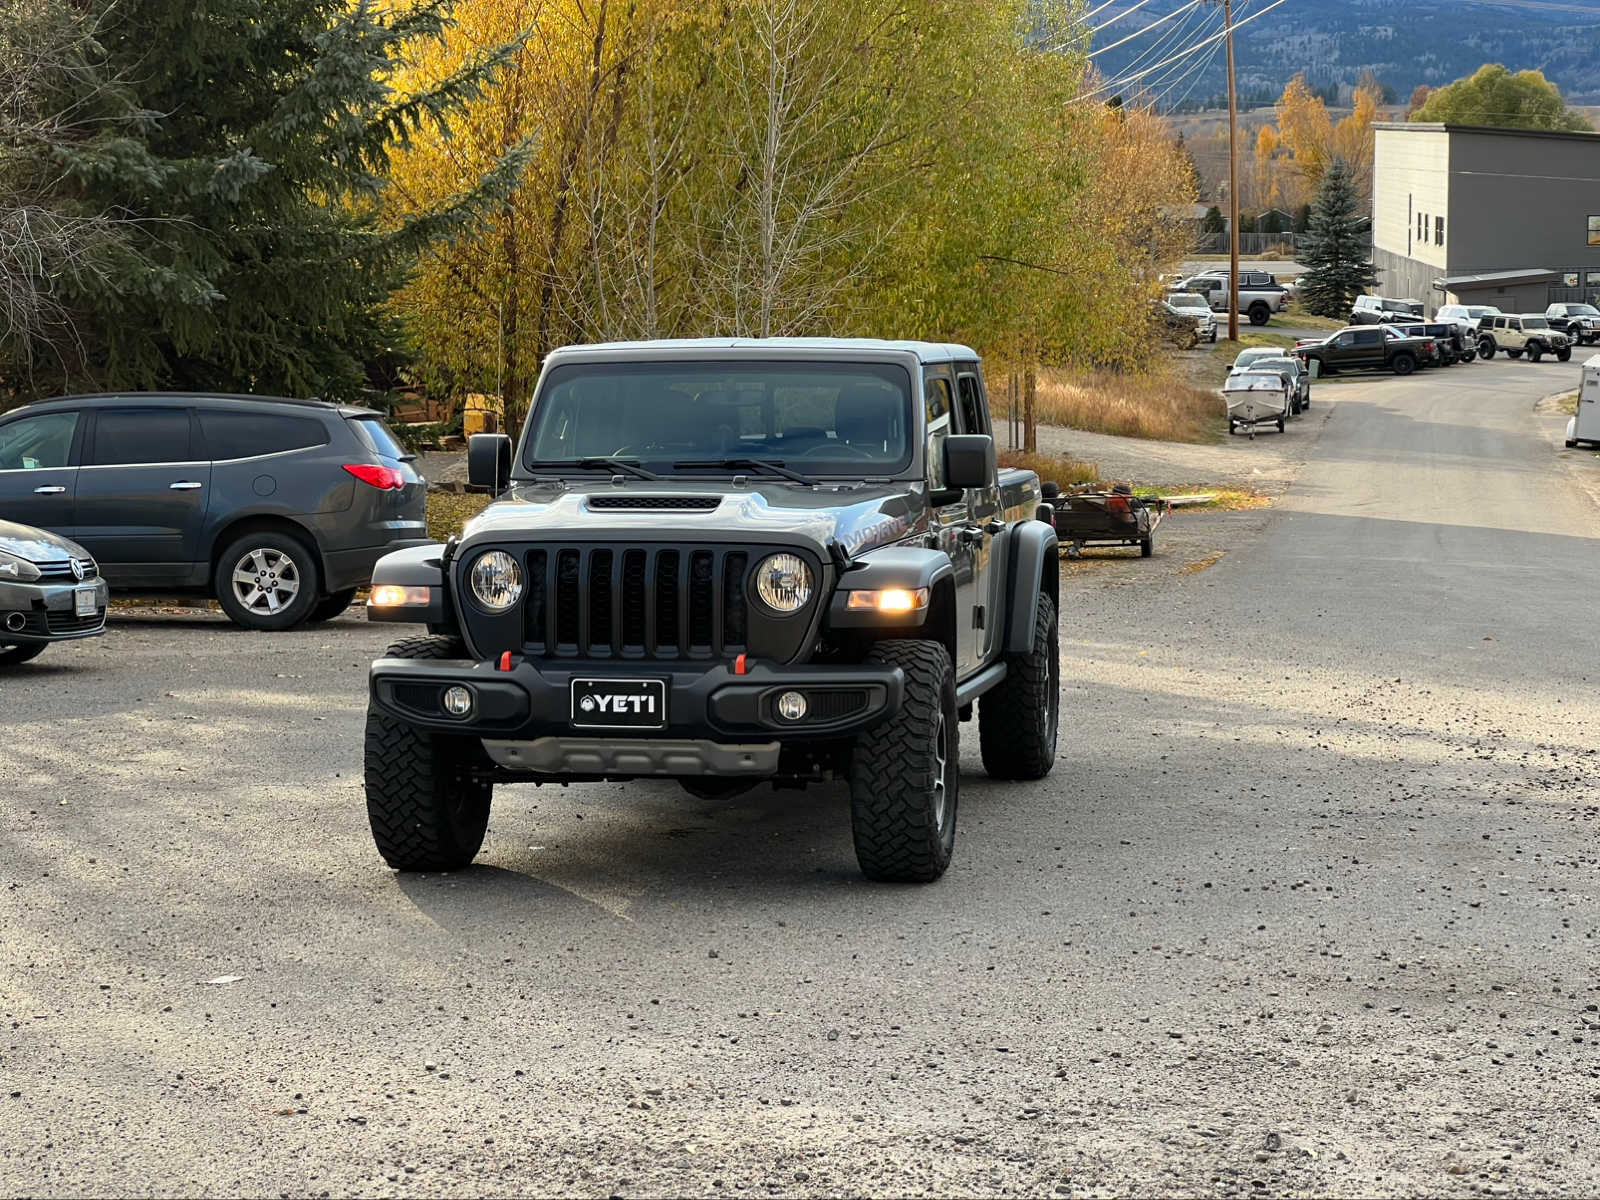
(635, 602)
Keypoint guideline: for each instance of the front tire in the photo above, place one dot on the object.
(1564, 354)
(905, 774)
(1535, 353)
(16, 655)
(1486, 350)
(330, 607)
(427, 808)
(1019, 721)
(267, 581)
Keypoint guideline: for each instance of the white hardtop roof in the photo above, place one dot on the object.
(797, 347)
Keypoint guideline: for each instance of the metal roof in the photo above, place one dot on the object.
(927, 352)
(1457, 283)
(1495, 130)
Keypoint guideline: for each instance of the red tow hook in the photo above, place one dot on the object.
(505, 661)
(741, 666)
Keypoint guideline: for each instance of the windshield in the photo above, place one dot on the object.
(1535, 323)
(1483, 310)
(826, 418)
(1582, 310)
(1187, 300)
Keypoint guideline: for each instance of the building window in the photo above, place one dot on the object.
(1422, 227)
(1594, 231)
(1438, 231)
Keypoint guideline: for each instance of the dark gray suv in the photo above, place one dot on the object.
(278, 507)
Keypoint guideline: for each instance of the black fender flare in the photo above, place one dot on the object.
(1032, 567)
(414, 566)
(910, 567)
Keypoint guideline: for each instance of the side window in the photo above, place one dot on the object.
(246, 434)
(134, 436)
(969, 397)
(937, 397)
(1345, 339)
(1438, 231)
(36, 443)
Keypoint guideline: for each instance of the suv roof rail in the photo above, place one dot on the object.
(175, 395)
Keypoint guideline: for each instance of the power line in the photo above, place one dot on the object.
(1140, 33)
(1173, 37)
(1194, 49)
(1115, 17)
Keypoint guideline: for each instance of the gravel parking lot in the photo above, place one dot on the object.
(1307, 907)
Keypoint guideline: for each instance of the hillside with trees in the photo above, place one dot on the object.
(1423, 42)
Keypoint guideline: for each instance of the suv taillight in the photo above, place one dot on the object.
(385, 479)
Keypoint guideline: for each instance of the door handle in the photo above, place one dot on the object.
(183, 486)
(51, 489)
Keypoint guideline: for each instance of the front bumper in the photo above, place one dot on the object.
(717, 722)
(48, 612)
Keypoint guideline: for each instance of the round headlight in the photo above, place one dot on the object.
(496, 581)
(784, 583)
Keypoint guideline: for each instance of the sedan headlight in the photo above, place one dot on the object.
(496, 581)
(784, 583)
(14, 566)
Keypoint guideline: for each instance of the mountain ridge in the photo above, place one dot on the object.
(1404, 42)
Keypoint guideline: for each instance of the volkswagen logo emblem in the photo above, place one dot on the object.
(77, 568)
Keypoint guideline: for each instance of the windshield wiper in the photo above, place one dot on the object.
(595, 464)
(762, 465)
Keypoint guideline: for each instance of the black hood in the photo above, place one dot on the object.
(38, 545)
(858, 516)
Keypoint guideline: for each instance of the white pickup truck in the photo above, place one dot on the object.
(1257, 301)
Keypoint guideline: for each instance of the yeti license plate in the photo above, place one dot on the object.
(619, 704)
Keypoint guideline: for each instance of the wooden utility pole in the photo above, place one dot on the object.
(1233, 182)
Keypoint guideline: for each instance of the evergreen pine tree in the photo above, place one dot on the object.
(1334, 250)
(251, 171)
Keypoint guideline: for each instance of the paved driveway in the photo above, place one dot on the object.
(1308, 905)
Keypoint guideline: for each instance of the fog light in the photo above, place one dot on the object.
(792, 706)
(457, 701)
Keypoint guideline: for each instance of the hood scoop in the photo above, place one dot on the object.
(678, 503)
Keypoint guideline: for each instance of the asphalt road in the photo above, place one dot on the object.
(1308, 905)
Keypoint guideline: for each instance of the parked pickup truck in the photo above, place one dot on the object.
(1365, 348)
(1258, 303)
(1580, 322)
(726, 562)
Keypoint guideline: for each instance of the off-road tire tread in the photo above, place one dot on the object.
(895, 840)
(1008, 737)
(409, 772)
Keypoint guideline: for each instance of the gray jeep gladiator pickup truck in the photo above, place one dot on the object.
(726, 562)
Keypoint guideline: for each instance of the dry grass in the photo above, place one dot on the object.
(1155, 406)
(1064, 472)
(1200, 564)
(449, 511)
(1223, 499)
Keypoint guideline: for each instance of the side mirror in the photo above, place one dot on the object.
(969, 461)
(488, 462)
